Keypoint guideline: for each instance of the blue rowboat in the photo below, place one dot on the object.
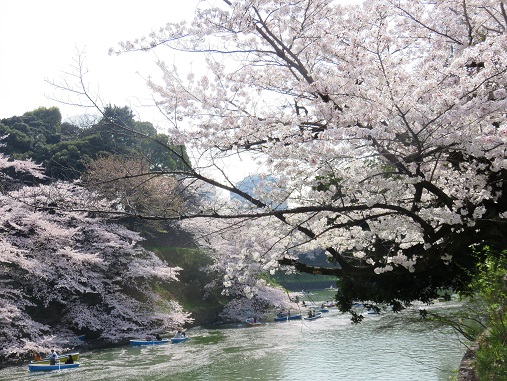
(314, 317)
(284, 317)
(176, 340)
(135, 343)
(47, 367)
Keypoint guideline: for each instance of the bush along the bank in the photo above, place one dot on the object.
(490, 286)
(483, 317)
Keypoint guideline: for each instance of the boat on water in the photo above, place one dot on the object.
(285, 317)
(175, 340)
(332, 288)
(135, 343)
(36, 367)
(314, 316)
(62, 358)
(252, 322)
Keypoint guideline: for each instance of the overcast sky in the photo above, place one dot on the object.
(39, 39)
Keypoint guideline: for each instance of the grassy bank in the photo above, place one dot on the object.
(299, 282)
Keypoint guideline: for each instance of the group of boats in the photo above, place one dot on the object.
(313, 313)
(71, 360)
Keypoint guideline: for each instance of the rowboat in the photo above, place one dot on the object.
(135, 343)
(62, 358)
(35, 367)
(285, 317)
(176, 340)
(252, 322)
(316, 316)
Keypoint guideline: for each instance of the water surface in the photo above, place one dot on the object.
(385, 347)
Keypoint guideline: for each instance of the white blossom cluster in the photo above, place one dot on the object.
(243, 261)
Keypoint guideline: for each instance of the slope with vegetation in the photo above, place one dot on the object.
(66, 270)
(65, 150)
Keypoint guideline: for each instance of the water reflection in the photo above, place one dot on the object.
(384, 347)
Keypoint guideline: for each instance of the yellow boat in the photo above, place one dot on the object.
(61, 358)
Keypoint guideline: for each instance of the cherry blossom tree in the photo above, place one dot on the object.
(383, 124)
(244, 271)
(65, 272)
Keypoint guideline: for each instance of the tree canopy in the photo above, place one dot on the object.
(382, 123)
(66, 150)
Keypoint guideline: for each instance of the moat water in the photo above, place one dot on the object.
(384, 347)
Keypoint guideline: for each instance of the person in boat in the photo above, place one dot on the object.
(37, 356)
(158, 337)
(53, 356)
(69, 360)
(148, 338)
(179, 335)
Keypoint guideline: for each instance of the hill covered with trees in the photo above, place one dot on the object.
(65, 149)
(65, 273)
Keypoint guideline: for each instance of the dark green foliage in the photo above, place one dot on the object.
(491, 360)
(18, 143)
(47, 120)
(65, 149)
(177, 249)
(69, 131)
(483, 317)
(66, 163)
(400, 287)
(298, 282)
(489, 286)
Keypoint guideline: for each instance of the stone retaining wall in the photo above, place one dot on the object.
(466, 369)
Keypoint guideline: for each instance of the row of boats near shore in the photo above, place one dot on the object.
(71, 360)
(313, 313)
